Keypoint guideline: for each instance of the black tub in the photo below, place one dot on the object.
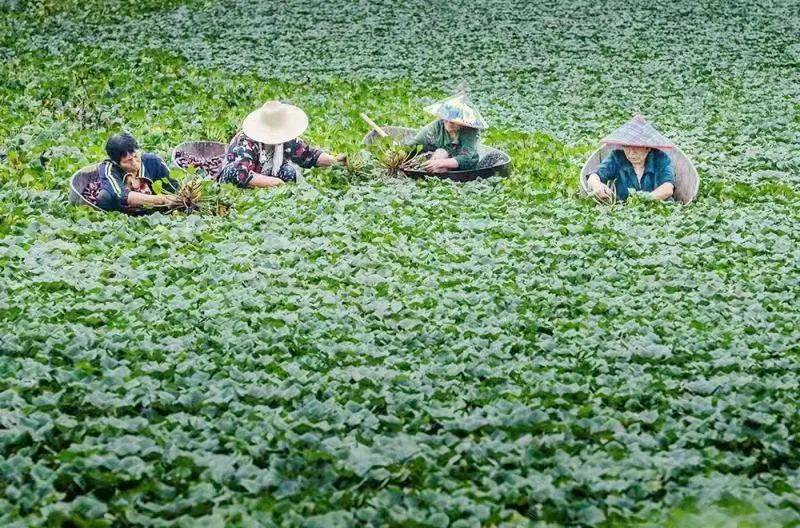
(492, 162)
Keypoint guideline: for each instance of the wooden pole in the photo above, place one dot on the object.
(372, 124)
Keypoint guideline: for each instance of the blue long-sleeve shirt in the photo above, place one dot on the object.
(616, 167)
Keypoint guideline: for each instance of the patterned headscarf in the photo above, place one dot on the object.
(271, 156)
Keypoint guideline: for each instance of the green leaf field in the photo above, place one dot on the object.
(395, 352)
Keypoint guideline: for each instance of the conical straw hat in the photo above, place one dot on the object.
(458, 109)
(275, 123)
(638, 133)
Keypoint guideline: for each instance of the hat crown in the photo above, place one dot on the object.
(638, 133)
(273, 113)
(275, 122)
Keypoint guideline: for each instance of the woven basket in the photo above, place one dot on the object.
(491, 162)
(687, 181)
(200, 149)
(78, 183)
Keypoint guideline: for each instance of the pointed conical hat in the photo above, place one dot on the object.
(638, 133)
(275, 123)
(458, 109)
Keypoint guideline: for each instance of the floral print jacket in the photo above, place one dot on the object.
(243, 159)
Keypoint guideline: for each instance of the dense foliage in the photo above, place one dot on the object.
(350, 351)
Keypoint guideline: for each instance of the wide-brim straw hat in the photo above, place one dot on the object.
(638, 133)
(458, 109)
(275, 123)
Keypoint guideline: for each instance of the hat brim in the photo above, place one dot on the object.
(295, 124)
(459, 122)
(435, 110)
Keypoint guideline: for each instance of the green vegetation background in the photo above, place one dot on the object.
(392, 352)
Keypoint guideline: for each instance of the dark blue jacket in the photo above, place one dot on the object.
(616, 167)
(113, 195)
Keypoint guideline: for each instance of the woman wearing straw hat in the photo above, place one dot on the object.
(637, 163)
(263, 152)
(453, 137)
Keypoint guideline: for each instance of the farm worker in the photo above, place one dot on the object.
(260, 154)
(126, 177)
(637, 162)
(453, 137)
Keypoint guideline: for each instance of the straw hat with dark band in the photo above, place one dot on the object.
(275, 123)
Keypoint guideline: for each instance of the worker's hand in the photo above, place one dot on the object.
(167, 199)
(341, 159)
(436, 166)
(601, 190)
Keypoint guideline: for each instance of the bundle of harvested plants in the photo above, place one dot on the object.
(200, 195)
